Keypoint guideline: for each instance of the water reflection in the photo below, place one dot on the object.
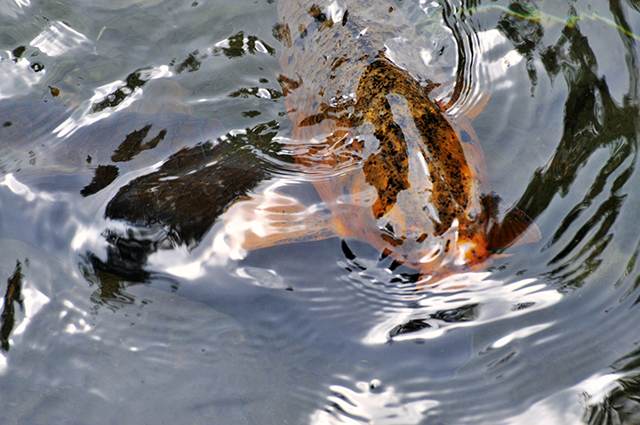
(463, 300)
(110, 98)
(140, 176)
(593, 120)
(372, 402)
(20, 74)
(177, 203)
(619, 406)
(239, 45)
(58, 39)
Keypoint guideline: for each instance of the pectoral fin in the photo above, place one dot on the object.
(270, 219)
(515, 228)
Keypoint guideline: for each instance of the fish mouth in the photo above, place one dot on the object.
(413, 238)
(415, 247)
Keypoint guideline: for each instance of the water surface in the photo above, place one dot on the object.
(121, 121)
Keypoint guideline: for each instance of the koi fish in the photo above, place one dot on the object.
(391, 166)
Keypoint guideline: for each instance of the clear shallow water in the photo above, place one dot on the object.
(113, 327)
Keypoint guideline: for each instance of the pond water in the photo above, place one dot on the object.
(121, 124)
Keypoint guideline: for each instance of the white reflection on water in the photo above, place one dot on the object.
(249, 220)
(23, 190)
(567, 407)
(520, 333)
(496, 300)
(84, 116)
(32, 300)
(494, 40)
(17, 77)
(78, 324)
(263, 277)
(12, 8)
(182, 263)
(494, 57)
(58, 39)
(55, 40)
(371, 405)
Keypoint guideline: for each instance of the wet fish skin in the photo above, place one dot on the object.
(393, 168)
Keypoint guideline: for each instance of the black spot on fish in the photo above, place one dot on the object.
(344, 18)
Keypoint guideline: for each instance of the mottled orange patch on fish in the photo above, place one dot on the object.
(391, 166)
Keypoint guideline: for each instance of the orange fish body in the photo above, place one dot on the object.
(389, 164)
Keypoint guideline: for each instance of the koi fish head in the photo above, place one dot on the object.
(461, 246)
